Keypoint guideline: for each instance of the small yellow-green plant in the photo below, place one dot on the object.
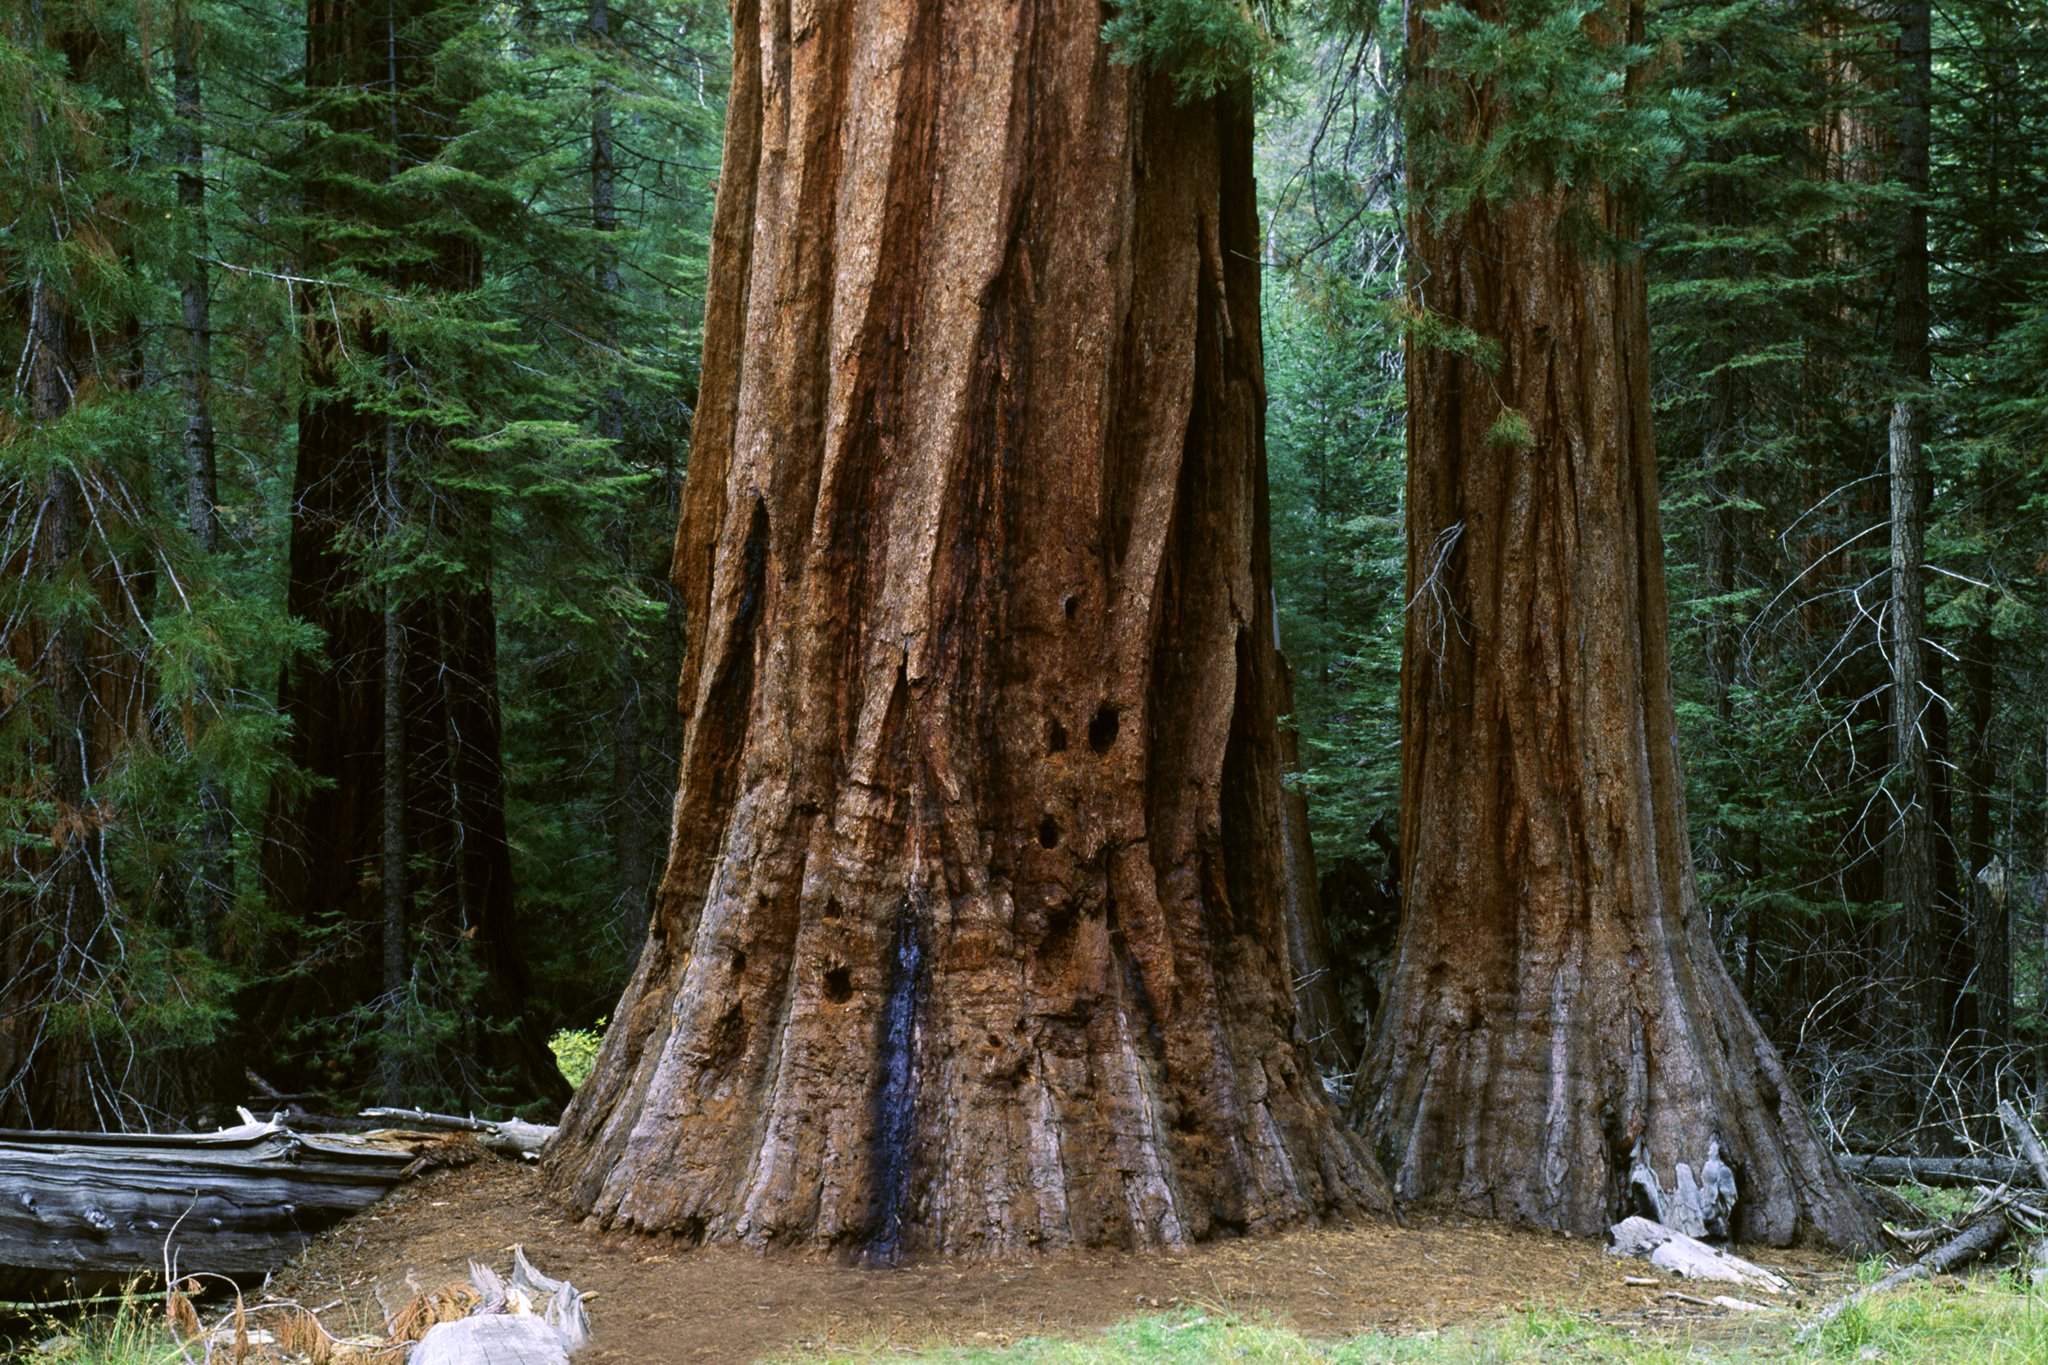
(575, 1051)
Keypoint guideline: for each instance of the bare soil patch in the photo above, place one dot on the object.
(658, 1300)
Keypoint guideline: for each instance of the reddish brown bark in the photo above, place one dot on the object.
(971, 933)
(1556, 996)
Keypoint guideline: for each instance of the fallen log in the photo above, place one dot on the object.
(235, 1202)
(2030, 1146)
(1980, 1238)
(511, 1137)
(1940, 1170)
(1668, 1249)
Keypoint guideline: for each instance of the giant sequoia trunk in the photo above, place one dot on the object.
(1556, 997)
(970, 937)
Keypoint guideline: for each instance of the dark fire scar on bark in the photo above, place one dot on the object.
(896, 1087)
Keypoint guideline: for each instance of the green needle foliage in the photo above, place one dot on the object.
(451, 283)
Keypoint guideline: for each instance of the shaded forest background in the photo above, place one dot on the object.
(352, 356)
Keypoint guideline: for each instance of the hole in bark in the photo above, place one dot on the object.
(1048, 833)
(1055, 737)
(1102, 729)
(1072, 606)
(839, 985)
(832, 910)
(739, 962)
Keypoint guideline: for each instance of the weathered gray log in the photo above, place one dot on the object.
(2029, 1143)
(1983, 1236)
(1940, 1170)
(238, 1201)
(1668, 1249)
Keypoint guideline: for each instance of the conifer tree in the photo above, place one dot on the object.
(1558, 1018)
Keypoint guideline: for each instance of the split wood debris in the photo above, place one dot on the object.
(1688, 1257)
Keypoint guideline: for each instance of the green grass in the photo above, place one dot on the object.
(1989, 1318)
(1940, 1205)
(1994, 1320)
(132, 1333)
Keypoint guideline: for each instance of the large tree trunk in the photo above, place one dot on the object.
(1556, 997)
(412, 781)
(970, 937)
(76, 689)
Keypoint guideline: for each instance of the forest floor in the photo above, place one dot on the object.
(654, 1300)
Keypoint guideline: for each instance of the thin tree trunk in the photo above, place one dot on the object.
(970, 937)
(1909, 860)
(1910, 872)
(1324, 1022)
(215, 890)
(45, 1069)
(1986, 884)
(392, 867)
(1557, 1001)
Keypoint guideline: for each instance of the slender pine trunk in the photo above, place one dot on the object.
(1910, 862)
(211, 897)
(632, 862)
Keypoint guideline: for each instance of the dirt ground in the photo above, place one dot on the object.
(656, 1301)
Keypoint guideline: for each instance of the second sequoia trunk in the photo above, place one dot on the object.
(971, 933)
(1557, 998)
